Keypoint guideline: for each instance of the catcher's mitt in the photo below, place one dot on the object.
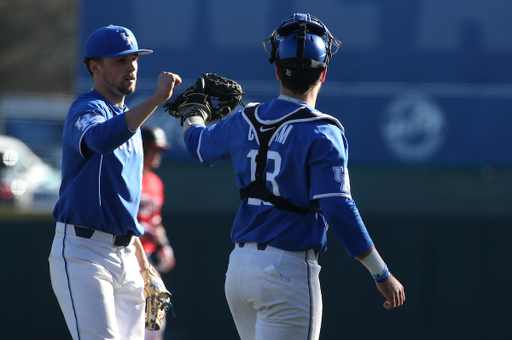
(216, 94)
(158, 299)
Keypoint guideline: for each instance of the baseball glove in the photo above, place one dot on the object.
(216, 94)
(158, 299)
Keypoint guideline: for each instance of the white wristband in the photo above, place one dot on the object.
(195, 115)
(376, 266)
(191, 121)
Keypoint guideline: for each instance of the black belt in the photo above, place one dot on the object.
(120, 241)
(261, 246)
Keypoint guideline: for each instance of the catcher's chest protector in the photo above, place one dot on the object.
(266, 134)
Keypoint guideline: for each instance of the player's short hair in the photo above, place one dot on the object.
(87, 61)
(299, 82)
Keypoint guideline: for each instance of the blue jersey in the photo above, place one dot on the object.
(102, 164)
(307, 161)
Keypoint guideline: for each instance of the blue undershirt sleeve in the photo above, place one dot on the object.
(346, 223)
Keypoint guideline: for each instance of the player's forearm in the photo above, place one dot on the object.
(375, 264)
(137, 115)
(141, 255)
(346, 224)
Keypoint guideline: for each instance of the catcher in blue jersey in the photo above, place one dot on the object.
(97, 259)
(291, 166)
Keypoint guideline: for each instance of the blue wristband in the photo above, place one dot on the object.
(382, 276)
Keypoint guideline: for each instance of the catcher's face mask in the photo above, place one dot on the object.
(314, 44)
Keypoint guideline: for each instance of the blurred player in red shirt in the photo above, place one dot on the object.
(155, 241)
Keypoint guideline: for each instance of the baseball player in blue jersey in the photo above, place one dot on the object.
(291, 166)
(97, 259)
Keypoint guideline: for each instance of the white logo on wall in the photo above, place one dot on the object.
(413, 128)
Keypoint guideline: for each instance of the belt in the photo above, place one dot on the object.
(119, 241)
(310, 253)
(261, 246)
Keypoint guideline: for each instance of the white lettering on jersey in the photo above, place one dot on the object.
(341, 176)
(137, 144)
(252, 155)
(281, 138)
(276, 157)
(133, 144)
(86, 120)
(272, 156)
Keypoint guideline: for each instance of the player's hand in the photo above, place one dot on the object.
(166, 259)
(167, 81)
(393, 291)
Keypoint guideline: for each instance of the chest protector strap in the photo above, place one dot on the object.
(257, 188)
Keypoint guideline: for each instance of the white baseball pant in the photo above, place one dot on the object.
(273, 293)
(98, 286)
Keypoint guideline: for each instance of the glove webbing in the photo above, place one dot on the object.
(257, 188)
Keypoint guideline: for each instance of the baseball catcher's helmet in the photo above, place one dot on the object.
(153, 135)
(301, 41)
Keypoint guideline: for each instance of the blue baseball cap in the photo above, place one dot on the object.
(112, 42)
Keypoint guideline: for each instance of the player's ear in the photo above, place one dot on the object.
(322, 76)
(278, 74)
(94, 66)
